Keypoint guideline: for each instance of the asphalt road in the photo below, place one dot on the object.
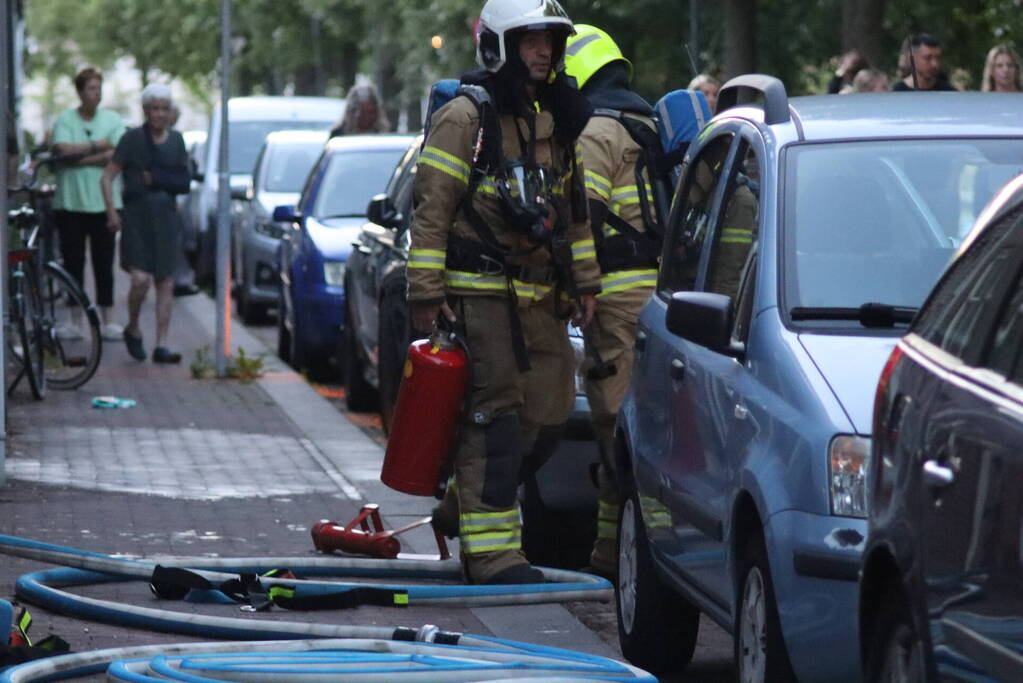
(712, 661)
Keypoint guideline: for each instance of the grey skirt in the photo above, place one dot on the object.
(151, 234)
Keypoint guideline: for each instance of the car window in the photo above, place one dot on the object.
(737, 231)
(959, 312)
(877, 221)
(1007, 342)
(350, 181)
(691, 221)
(245, 139)
(287, 165)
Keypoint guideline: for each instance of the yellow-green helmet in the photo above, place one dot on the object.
(589, 50)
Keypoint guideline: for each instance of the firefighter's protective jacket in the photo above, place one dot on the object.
(610, 154)
(441, 184)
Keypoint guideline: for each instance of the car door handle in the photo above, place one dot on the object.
(640, 341)
(678, 369)
(938, 475)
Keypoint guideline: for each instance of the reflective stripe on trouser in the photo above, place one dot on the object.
(502, 406)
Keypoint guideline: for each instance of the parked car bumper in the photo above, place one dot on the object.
(321, 317)
(815, 562)
(261, 273)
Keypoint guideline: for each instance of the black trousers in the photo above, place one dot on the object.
(75, 228)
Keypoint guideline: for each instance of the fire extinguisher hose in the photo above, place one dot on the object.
(562, 585)
(290, 651)
(359, 657)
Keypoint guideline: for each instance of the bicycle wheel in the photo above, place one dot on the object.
(32, 333)
(20, 345)
(71, 329)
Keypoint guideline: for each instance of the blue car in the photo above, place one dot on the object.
(804, 235)
(315, 247)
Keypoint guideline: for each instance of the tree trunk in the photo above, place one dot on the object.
(862, 30)
(740, 37)
(305, 80)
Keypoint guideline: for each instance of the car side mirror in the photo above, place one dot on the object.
(286, 214)
(240, 192)
(704, 318)
(198, 176)
(381, 210)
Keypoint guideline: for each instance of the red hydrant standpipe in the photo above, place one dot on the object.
(359, 538)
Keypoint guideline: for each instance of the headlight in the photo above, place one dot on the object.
(270, 229)
(334, 273)
(848, 459)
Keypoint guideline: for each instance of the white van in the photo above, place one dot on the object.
(250, 119)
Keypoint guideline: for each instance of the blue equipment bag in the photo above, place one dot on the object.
(680, 116)
(441, 92)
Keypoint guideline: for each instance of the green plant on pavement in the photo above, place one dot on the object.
(246, 368)
(202, 364)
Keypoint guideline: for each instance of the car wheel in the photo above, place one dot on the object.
(895, 652)
(760, 653)
(251, 312)
(360, 396)
(657, 628)
(393, 337)
(283, 335)
(206, 265)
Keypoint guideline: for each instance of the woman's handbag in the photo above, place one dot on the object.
(171, 179)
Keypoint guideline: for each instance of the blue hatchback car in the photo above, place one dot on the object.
(328, 218)
(804, 235)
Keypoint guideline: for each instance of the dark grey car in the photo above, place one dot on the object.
(941, 593)
(280, 173)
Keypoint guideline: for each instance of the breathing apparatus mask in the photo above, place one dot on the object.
(523, 187)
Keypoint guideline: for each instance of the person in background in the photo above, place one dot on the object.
(851, 63)
(364, 112)
(1001, 70)
(709, 86)
(89, 134)
(921, 53)
(151, 242)
(870, 80)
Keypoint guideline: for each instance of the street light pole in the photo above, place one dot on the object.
(223, 277)
(694, 34)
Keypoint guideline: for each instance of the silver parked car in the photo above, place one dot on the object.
(278, 178)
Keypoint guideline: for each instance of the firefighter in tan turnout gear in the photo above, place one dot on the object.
(502, 249)
(626, 250)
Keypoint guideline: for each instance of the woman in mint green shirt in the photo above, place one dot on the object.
(79, 210)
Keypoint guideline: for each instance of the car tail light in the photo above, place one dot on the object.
(882, 387)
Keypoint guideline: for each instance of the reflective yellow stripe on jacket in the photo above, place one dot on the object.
(443, 161)
(426, 258)
(461, 279)
(621, 280)
(484, 532)
(598, 183)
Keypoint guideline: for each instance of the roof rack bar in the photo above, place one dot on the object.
(776, 100)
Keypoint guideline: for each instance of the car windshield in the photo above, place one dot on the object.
(351, 180)
(287, 164)
(245, 139)
(876, 222)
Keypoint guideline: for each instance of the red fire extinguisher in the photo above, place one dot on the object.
(426, 414)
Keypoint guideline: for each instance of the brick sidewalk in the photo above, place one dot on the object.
(208, 468)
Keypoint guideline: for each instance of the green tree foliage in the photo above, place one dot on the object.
(318, 46)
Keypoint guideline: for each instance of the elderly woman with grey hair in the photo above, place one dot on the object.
(155, 166)
(364, 112)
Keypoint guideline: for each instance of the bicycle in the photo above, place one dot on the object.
(50, 306)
